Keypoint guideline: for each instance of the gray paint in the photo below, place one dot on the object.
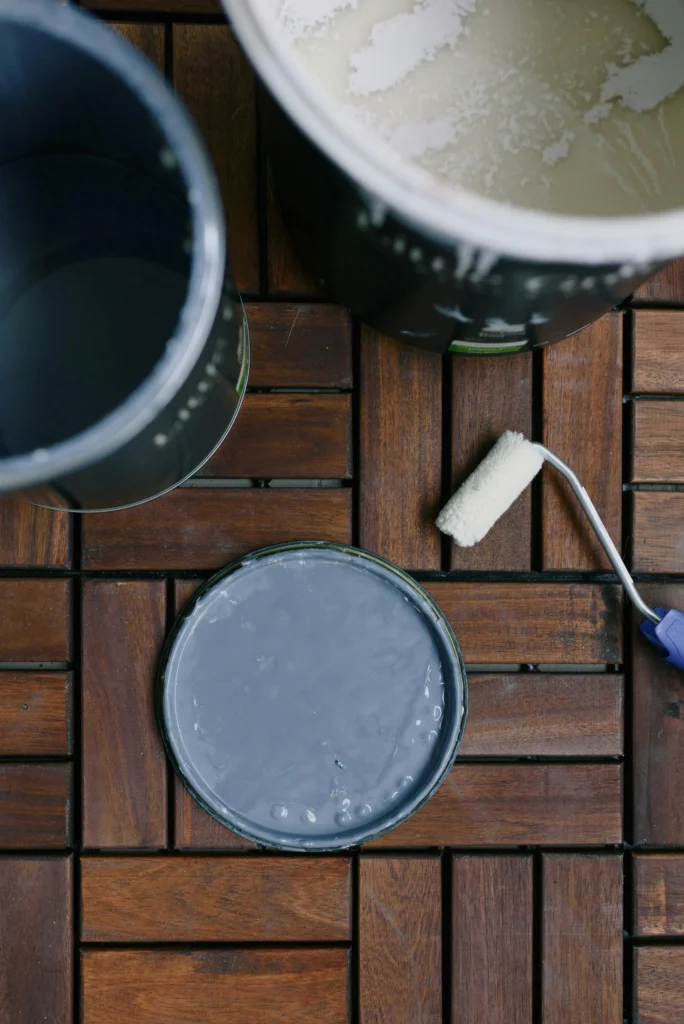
(313, 697)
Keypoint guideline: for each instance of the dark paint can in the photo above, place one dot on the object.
(312, 696)
(420, 260)
(123, 346)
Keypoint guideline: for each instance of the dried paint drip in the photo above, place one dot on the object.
(573, 106)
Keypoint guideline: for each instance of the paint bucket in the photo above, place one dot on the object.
(415, 257)
(123, 351)
(312, 696)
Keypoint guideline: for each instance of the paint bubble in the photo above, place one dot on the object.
(278, 811)
(311, 816)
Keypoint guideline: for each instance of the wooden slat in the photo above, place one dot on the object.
(124, 769)
(657, 352)
(299, 346)
(147, 37)
(492, 940)
(583, 425)
(35, 714)
(305, 437)
(658, 531)
(400, 438)
(195, 828)
(659, 994)
(35, 940)
(582, 939)
(215, 899)
(538, 714)
(204, 529)
(281, 986)
(35, 806)
(666, 286)
(658, 733)
(518, 804)
(489, 397)
(536, 623)
(35, 620)
(658, 442)
(286, 272)
(659, 894)
(216, 82)
(400, 940)
(32, 536)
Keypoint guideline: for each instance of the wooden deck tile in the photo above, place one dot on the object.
(35, 620)
(658, 442)
(36, 806)
(659, 894)
(35, 714)
(33, 537)
(299, 346)
(659, 984)
(658, 531)
(146, 36)
(658, 336)
(666, 286)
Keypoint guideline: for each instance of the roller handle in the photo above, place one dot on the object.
(667, 636)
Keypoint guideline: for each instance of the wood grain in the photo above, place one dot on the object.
(35, 714)
(658, 531)
(658, 337)
(305, 437)
(400, 440)
(658, 733)
(215, 899)
(400, 940)
(582, 939)
(583, 424)
(145, 36)
(35, 806)
(299, 346)
(658, 442)
(31, 536)
(666, 286)
(35, 620)
(124, 769)
(286, 273)
(204, 529)
(216, 82)
(518, 804)
(491, 396)
(538, 714)
(275, 986)
(659, 994)
(535, 623)
(35, 940)
(492, 940)
(659, 894)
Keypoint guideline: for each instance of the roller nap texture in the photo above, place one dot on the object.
(491, 489)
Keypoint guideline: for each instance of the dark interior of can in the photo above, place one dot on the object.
(95, 245)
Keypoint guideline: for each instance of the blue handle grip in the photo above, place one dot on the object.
(667, 636)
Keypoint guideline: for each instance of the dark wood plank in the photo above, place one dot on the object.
(658, 733)
(659, 990)
(536, 623)
(35, 940)
(657, 352)
(204, 529)
(216, 82)
(489, 397)
(400, 940)
(305, 437)
(35, 714)
(286, 273)
(658, 531)
(666, 286)
(35, 806)
(275, 986)
(491, 980)
(299, 346)
(658, 442)
(401, 441)
(518, 804)
(659, 894)
(215, 899)
(582, 939)
(583, 386)
(35, 620)
(124, 769)
(31, 536)
(538, 714)
(147, 37)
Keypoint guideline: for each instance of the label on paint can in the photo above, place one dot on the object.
(470, 346)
